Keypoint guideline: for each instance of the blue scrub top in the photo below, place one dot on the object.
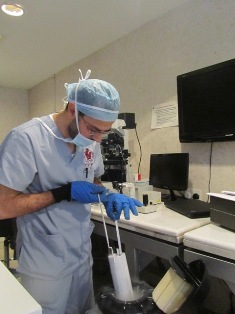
(55, 240)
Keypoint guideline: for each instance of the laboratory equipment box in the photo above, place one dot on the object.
(223, 211)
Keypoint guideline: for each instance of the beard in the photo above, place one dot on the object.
(72, 129)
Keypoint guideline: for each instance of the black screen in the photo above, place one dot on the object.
(206, 104)
(169, 171)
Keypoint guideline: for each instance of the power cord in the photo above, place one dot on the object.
(209, 183)
(140, 148)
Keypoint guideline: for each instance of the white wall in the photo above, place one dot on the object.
(144, 65)
(42, 98)
(14, 109)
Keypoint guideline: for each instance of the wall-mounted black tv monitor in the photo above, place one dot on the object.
(206, 104)
(169, 171)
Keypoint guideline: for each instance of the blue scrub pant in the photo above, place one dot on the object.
(68, 295)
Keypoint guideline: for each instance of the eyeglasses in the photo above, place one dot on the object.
(93, 130)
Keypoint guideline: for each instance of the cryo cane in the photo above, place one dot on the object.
(118, 266)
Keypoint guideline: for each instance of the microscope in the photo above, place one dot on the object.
(115, 154)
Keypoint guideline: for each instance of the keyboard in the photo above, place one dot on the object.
(189, 207)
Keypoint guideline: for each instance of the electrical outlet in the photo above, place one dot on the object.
(191, 193)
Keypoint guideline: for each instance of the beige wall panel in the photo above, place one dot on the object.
(42, 98)
(14, 109)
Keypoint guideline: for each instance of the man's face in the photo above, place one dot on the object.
(90, 128)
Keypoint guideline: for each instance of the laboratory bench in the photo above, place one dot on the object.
(215, 246)
(166, 233)
(13, 297)
(146, 236)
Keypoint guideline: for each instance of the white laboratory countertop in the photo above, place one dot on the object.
(14, 299)
(163, 224)
(212, 239)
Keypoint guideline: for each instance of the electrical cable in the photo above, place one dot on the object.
(140, 148)
(181, 194)
(210, 162)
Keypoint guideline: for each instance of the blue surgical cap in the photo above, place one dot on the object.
(95, 98)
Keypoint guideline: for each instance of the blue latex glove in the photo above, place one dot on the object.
(86, 192)
(114, 203)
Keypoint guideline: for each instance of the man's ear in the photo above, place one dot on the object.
(71, 108)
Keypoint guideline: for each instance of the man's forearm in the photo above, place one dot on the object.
(14, 204)
(97, 181)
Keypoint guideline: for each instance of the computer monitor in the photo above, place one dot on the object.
(206, 100)
(169, 171)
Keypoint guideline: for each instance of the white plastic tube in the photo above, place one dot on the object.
(118, 267)
(121, 277)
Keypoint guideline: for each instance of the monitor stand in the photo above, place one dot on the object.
(173, 196)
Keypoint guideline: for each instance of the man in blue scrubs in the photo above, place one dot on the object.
(49, 168)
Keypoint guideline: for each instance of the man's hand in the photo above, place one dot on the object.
(114, 203)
